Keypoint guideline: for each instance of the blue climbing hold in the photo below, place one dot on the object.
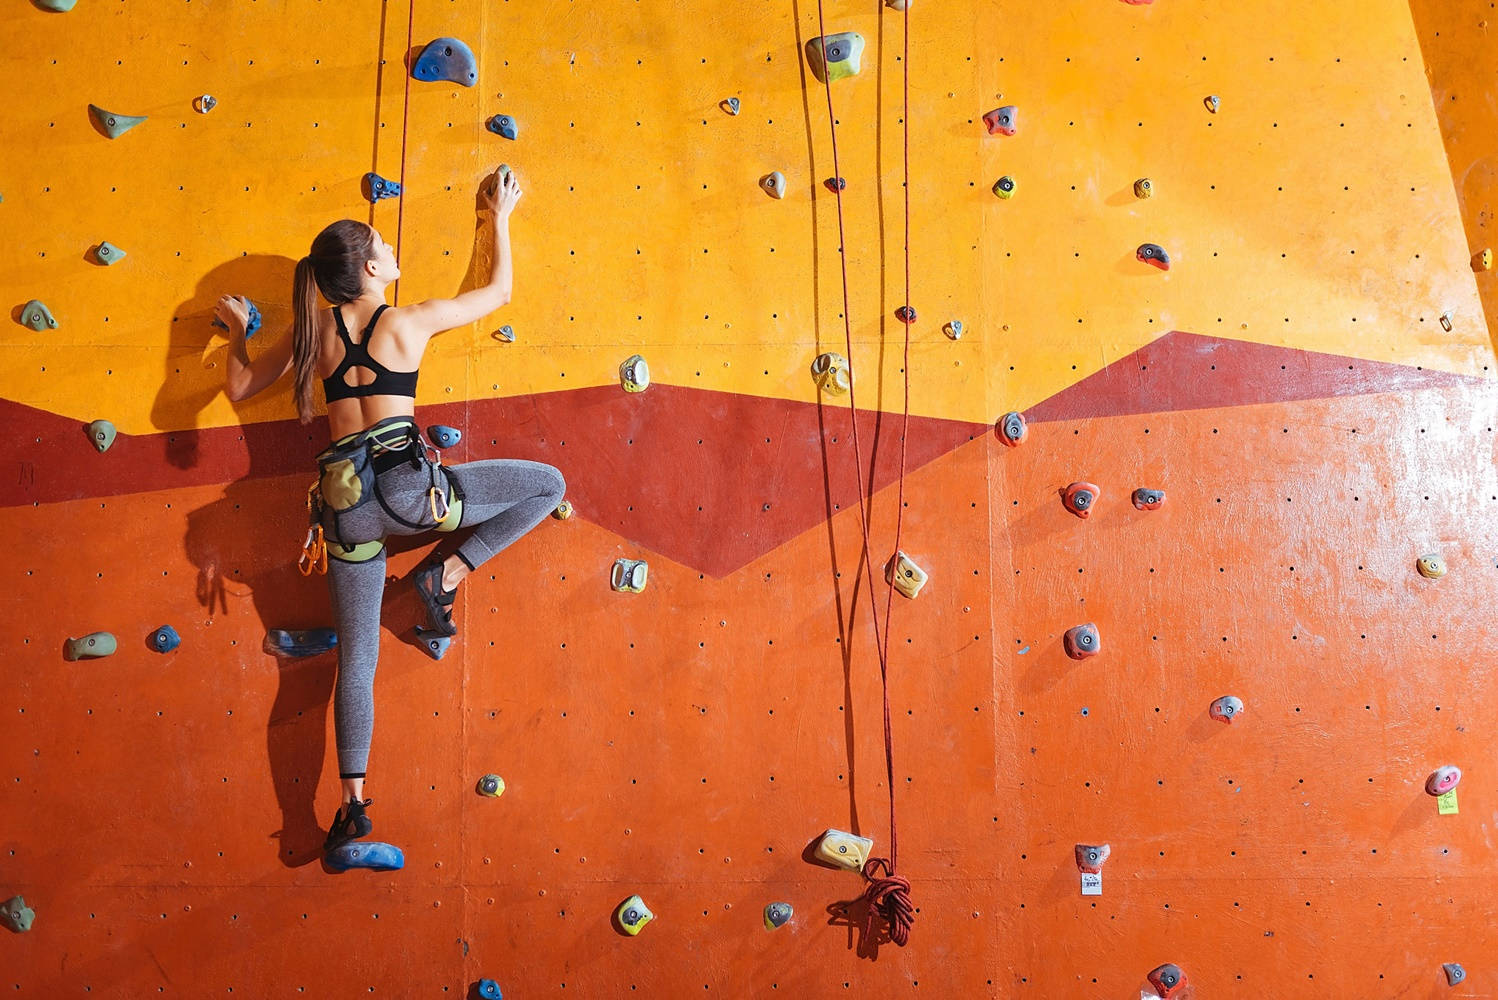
(444, 436)
(504, 125)
(251, 328)
(299, 642)
(375, 854)
(447, 59)
(111, 124)
(433, 643)
(377, 187)
(165, 639)
(489, 990)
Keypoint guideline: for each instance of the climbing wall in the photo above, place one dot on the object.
(1310, 383)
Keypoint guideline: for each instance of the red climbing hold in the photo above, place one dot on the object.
(1079, 498)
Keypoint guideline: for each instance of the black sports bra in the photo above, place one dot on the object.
(386, 382)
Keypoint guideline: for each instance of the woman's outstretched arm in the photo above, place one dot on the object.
(243, 377)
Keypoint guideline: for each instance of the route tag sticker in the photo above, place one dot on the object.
(1446, 803)
(1092, 883)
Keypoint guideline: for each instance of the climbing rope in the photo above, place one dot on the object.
(400, 211)
(887, 894)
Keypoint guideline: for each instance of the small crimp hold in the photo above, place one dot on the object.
(1002, 121)
(1226, 709)
(777, 915)
(1431, 566)
(107, 253)
(1079, 498)
(1005, 187)
(102, 434)
(299, 642)
(845, 850)
(1013, 429)
(1443, 779)
(1090, 857)
(111, 124)
(443, 436)
(632, 915)
(834, 57)
(835, 184)
(634, 374)
(447, 59)
(37, 316)
(505, 333)
(1446, 321)
(1168, 980)
(953, 329)
(1144, 188)
(1081, 641)
(204, 104)
(489, 990)
(1482, 260)
(504, 125)
(491, 785)
(377, 187)
(165, 639)
(907, 577)
(630, 575)
(1154, 255)
(1146, 499)
(251, 328)
(905, 314)
(432, 642)
(831, 373)
(730, 105)
(14, 913)
(1454, 972)
(773, 184)
(90, 647)
(374, 854)
(564, 510)
(56, 6)
(900, 5)
(1213, 102)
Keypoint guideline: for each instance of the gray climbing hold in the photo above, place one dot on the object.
(37, 316)
(1091, 857)
(299, 642)
(504, 125)
(1154, 255)
(634, 374)
(491, 786)
(107, 253)
(1213, 102)
(204, 104)
(1147, 499)
(377, 187)
(432, 642)
(953, 329)
(14, 913)
(165, 639)
(730, 105)
(777, 915)
(447, 59)
(58, 6)
(1082, 641)
(1002, 121)
(102, 434)
(1226, 709)
(1012, 428)
(443, 436)
(505, 333)
(90, 647)
(1454, 972)
(111, 124)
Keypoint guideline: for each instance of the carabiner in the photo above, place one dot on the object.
(437, 498)
(314, 552)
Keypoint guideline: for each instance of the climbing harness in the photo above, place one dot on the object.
(887, 894)
(349, 478)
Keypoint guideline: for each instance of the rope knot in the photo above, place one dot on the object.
(888, 895)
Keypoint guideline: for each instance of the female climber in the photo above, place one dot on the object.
(378, 478)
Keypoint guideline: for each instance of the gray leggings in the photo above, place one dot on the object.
(505, 498)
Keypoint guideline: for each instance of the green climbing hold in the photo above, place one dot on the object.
(107, 253)
(833, 57)
(38, 316)
(58, 6)
(15, 914)
(101, 433)
(90, 647)
(111, 124)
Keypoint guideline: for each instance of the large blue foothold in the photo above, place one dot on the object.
(300, 642)
(377, 187)
(251, 328)
(447, 59)
(504, 125)
(432, 642)
(165, 639)
(375, 854)
(489, 990)
(444, 436)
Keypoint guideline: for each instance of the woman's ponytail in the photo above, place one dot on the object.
(305, 343)
(333, 268)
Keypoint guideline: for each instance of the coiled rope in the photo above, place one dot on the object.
(887, 894)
